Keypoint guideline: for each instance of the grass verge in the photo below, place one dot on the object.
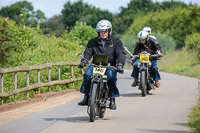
(186, 63)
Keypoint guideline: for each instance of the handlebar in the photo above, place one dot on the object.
(154, 56)
(108, 66)
(111, 67)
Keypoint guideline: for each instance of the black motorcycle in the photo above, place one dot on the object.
(146, 81)
(99, 91)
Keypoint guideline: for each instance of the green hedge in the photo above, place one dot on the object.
(25, 46)
(179, 21)
(192, 42)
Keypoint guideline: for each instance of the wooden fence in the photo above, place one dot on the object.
(39, 84)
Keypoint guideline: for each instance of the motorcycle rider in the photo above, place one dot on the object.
(103, 44)
(151, 46)
(148, 29)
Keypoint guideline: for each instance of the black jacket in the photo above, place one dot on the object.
(113, 49)
(152, 46)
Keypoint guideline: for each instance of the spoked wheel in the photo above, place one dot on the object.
(102, 110)
(104, 98)
(149, 87)
(148, 91)
(93, 103)
(143, 83)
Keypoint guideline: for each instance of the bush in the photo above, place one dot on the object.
(182, 62)
(179, 21)
(167, 43)
(25, 46)
(194, 121)
(129, 41)
(15, 39)
(83, 33)
(192, 42)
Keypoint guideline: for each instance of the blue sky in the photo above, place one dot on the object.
(54, 7)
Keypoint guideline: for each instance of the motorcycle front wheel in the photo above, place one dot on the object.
(143, 83)
(93, 102)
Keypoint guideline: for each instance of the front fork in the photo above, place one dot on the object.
(93, 80)
(150, 81)
(102, 91)
(143, 67)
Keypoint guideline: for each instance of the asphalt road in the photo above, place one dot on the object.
(164, 111)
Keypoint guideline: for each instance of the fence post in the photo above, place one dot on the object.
(38, 79)
(15, 84)
(49, 77)
(27, 83)
(58, 73)
(1, 76)
(59, 76)
(1, 86)
(72, 73)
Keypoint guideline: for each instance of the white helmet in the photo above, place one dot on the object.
(143, 35)
(148, 29)
(104, 25)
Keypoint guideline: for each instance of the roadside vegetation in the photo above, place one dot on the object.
(27, 37)
(187, 62)
(25, 46)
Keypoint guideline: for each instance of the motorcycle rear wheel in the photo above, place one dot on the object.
(102, 111)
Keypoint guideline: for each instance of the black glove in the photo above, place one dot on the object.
(82, 64)
(133, 60)
(120, 68)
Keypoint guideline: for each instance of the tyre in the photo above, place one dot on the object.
(143, 83)
(93, 102)
(104, 98)
(102, 112)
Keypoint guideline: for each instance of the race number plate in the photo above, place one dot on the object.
(98, 70)
(144, 58)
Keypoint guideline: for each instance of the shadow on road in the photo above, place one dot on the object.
(182, 124)
(80, 119)
(131, 95)
(161, 131)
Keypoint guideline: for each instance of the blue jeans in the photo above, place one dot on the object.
(112, 82)
(154, 69)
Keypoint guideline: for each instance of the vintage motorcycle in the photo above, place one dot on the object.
(99, 91)
(146, 81)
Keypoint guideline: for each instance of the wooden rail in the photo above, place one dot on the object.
(27, 69)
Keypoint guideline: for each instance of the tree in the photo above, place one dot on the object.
(140, 8)
(127, 15)
(22, 8)
(72, 12)
(180, 22)
(54, 25)
(82, 33)
(80, 11)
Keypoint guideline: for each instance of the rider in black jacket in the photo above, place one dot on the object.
(151, 46)
(103, 44)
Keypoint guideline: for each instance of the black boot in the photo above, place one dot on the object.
(112, 104)
(84, 101)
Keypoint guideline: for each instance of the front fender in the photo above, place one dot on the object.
(143, 68)
(95, 80)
